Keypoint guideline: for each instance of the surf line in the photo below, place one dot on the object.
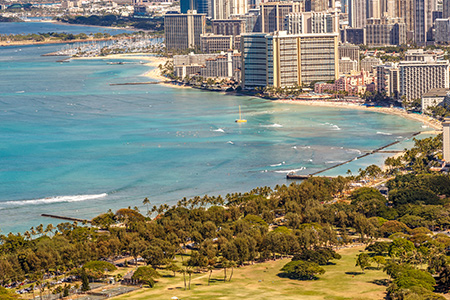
(298, 176)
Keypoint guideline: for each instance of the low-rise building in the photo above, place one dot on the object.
(435, 97)
(346, 65)
(368, 63)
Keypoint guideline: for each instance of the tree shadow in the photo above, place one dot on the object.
(354, 273)
(216, 280)
(307, 278)
(383, 282)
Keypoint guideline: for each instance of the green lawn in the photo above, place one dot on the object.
(260, 281)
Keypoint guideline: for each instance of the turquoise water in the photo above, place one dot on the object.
(74, 145)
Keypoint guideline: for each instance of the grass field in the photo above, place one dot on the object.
(260, 281)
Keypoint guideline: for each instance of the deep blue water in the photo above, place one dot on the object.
(74, 145)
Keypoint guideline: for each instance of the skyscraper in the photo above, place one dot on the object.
(282, 60)
(423, 21)
(201, 6)
(357, 13)
(273, 14)
(186, 5)
(445, 9)
(373, 9)
(182, 31)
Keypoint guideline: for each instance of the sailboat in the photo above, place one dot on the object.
(240, 120)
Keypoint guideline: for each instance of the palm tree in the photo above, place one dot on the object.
(210, 269)
(147, 203)
(231, 264)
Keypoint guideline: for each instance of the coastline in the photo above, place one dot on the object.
(426, 120)
(151, 61)
(27, 43)
(84, 25)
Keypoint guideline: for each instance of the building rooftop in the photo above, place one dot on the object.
(440, 92)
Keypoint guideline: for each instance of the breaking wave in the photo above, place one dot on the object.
(273, 125)
(290, 171)
(57, 199)
(384, 133)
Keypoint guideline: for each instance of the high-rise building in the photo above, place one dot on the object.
(232, 27)
(368, 63)
(309, 22)
(204, 7)
(317, 5)
(221, 9)
(442, 30)
(423, 21)
(352, 35)
(385, 34)
(288, 60)
(239, 7)
(357, 13)
(404, 9)
(446, 140)
(201, 6)
(347, 65)
(349, 50)
(418, 77)
(373, 9)
(274, 13)
(182, 31)
(301, 59)
(254, 60)
(445, 9)
(388, 79)
(186, 5)
(213, 43)
(252, 21)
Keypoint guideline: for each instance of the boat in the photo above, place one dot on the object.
(240, 120)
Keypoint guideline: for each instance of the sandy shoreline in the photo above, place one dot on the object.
(150, 61)
(426, 120)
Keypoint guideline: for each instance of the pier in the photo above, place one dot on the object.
(294, 176)
(66, 218)
(136, 83)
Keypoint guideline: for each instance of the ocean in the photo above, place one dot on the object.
(75, 146)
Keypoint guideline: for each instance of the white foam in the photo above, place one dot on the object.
(335, 127)
(20, 92)
(384, 133)
(57, 199)
(219, 130)
(334, 161)
(294, 147)
(273, 125)
(277, 165)
(290, 171)
(230, 142)
(354, 151)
